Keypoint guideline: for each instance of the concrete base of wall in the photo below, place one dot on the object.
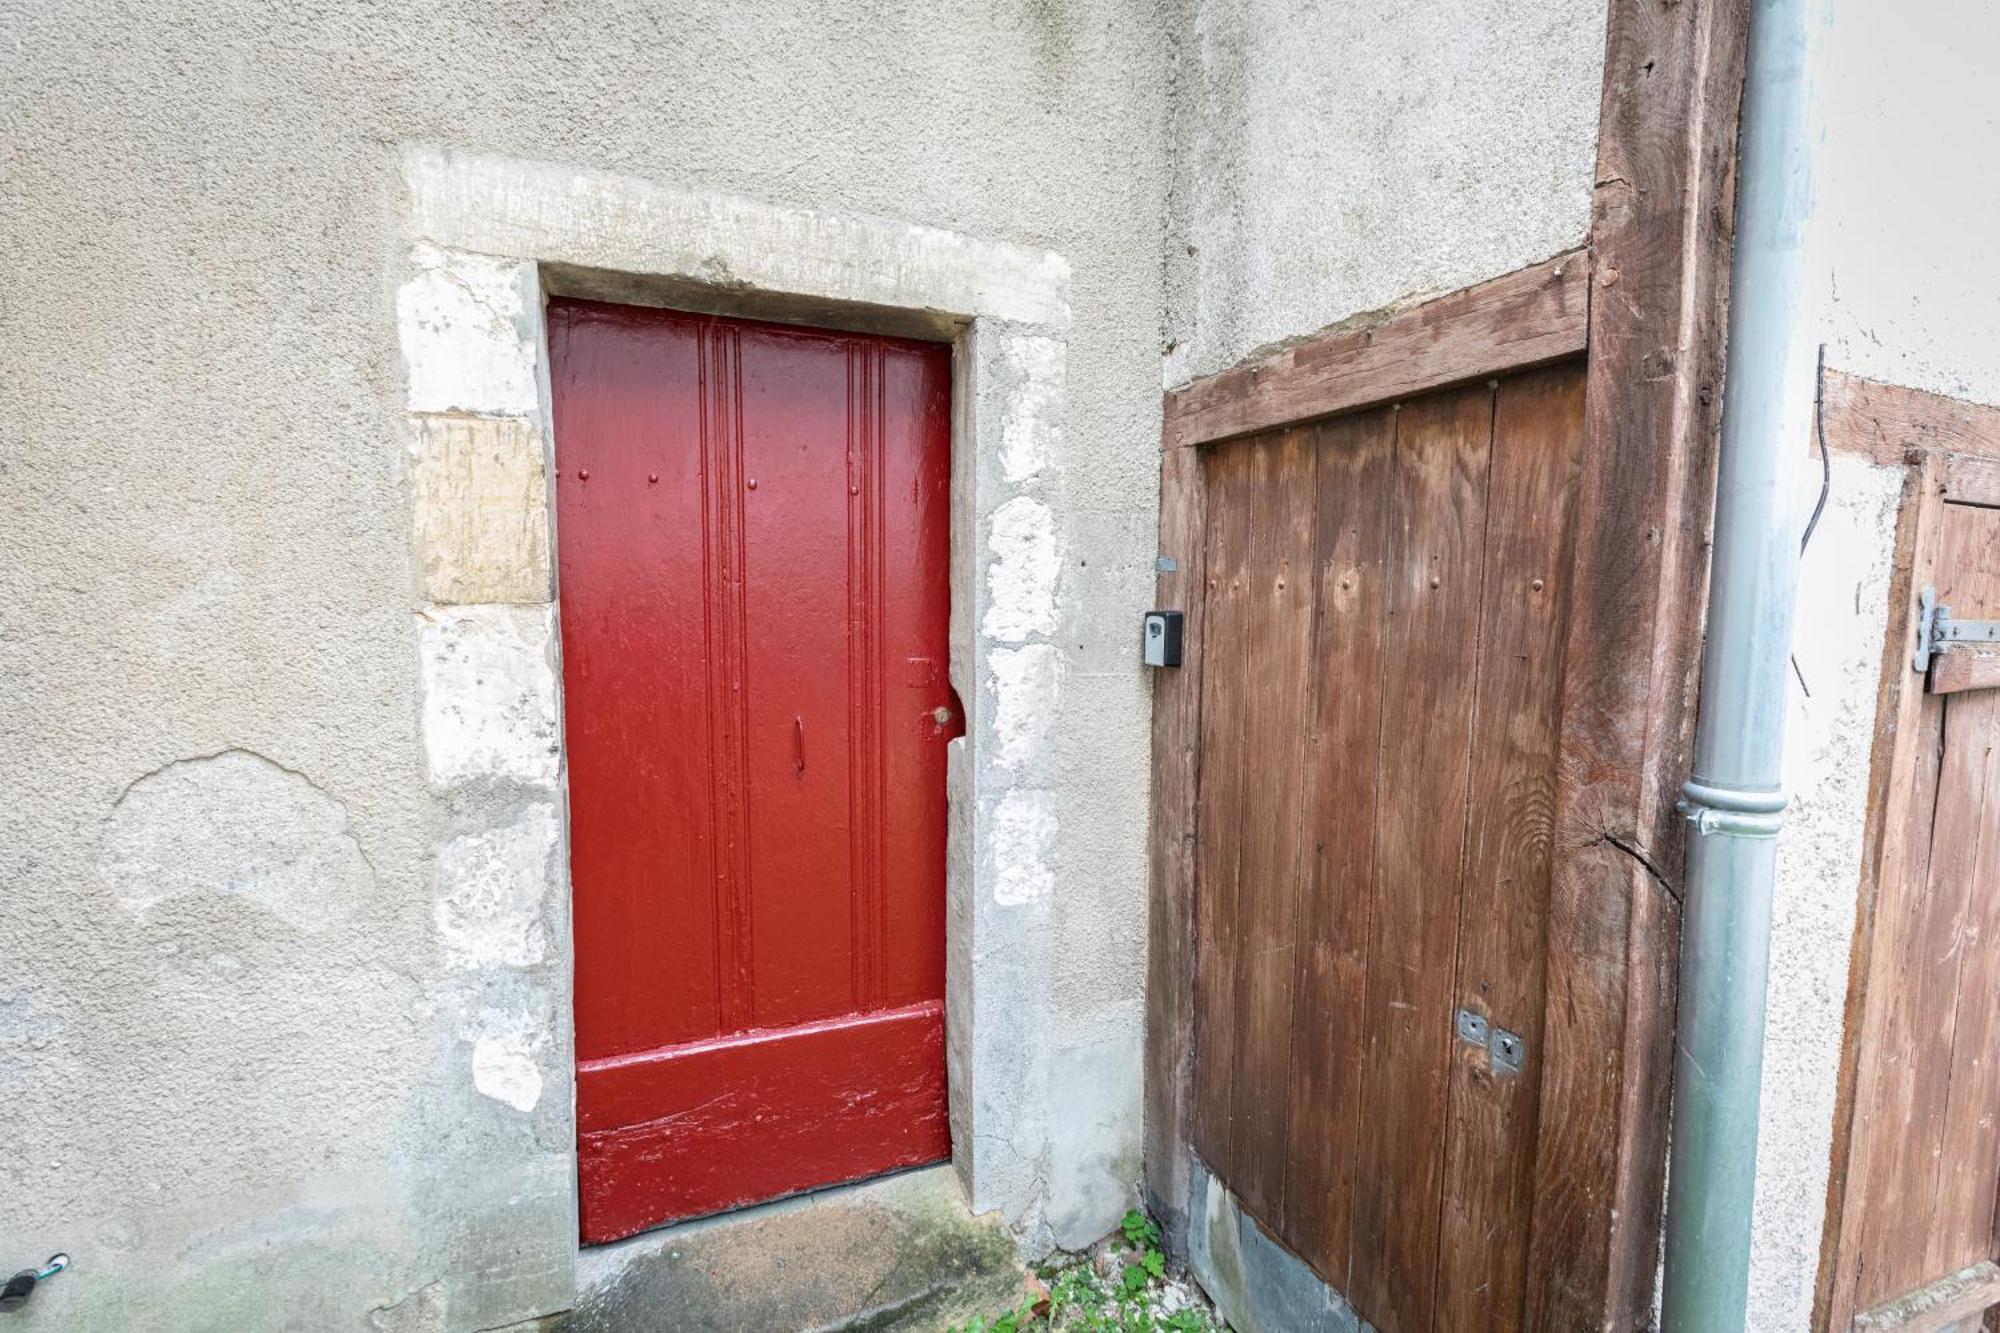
(1257, 1284)
(899, 1253)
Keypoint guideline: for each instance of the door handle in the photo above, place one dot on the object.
(799, 745)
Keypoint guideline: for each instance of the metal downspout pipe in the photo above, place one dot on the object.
(1735, 798)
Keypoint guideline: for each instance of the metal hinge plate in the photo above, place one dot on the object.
(1938, 630)
(1506, 1052)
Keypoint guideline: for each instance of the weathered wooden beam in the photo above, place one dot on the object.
(1887, 422)
(1973, 481)
(1960, 670)
(1523, 319)
(1171, 850)
(1660, 240)
(1935, 1305)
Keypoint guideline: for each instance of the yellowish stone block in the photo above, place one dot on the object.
(482, 520)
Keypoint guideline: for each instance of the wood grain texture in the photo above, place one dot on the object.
(1888, 422)
(1973, 480)
(1964, 669)
(1490, 1139)
(1271, 668)
(1225, 761)
(1170, 962)
(1967, 1170)
(1523, 319)
(1379, 742)
(1660, 240)
(1937, 1305)
(1437, 525)
(1355, 456)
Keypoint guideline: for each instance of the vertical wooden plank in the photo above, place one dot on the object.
(1660, 235)
(1272, 664)
(1902, 770)
(1965, 870)
(1898, 1174)
(1490, 1147)
(1229, 606)
(1968, 825)
(1171, 847)
(1437, 504)
(1355, 454)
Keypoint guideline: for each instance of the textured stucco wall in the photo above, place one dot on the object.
(1905, 219)
(1334, 159)
(1842, 617)
(280, 976)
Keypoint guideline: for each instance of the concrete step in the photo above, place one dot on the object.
(901, 1254)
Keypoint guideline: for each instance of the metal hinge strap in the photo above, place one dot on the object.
(1938, 630)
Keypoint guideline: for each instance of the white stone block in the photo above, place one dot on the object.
(1021, 576)
(1026, 689)
(465, 334)
(489, 708)
(490, 886)
(1023, 840)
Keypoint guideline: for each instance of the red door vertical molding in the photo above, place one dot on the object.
(864, 570)
(753, 542)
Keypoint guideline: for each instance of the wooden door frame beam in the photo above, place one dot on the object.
(1519, 320)
(1648, 304)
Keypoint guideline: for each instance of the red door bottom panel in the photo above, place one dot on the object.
(732, 1120)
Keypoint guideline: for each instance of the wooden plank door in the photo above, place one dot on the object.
(1912, 1233)
(1386, 607)
(752, 542)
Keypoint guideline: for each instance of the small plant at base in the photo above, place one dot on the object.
(1141, 1232)
(1011, 1322)
(1082, 1301)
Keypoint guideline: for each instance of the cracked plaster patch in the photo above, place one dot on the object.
(234, 825)
(504, 1060)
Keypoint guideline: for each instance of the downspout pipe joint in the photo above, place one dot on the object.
(1733, 811)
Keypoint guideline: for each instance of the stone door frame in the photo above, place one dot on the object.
(489, 239)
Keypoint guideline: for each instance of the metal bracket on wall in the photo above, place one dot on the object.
(1505, 1051)
(1937, 631)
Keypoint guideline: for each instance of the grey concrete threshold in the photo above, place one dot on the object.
(898, 1254)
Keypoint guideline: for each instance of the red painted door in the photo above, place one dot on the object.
(752, 540)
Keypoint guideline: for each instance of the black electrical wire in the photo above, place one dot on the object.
(1819, 433)
(1825, 479)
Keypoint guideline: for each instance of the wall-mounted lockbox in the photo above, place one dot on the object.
(1163, 639)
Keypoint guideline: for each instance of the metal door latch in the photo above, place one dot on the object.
(1938, 630)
